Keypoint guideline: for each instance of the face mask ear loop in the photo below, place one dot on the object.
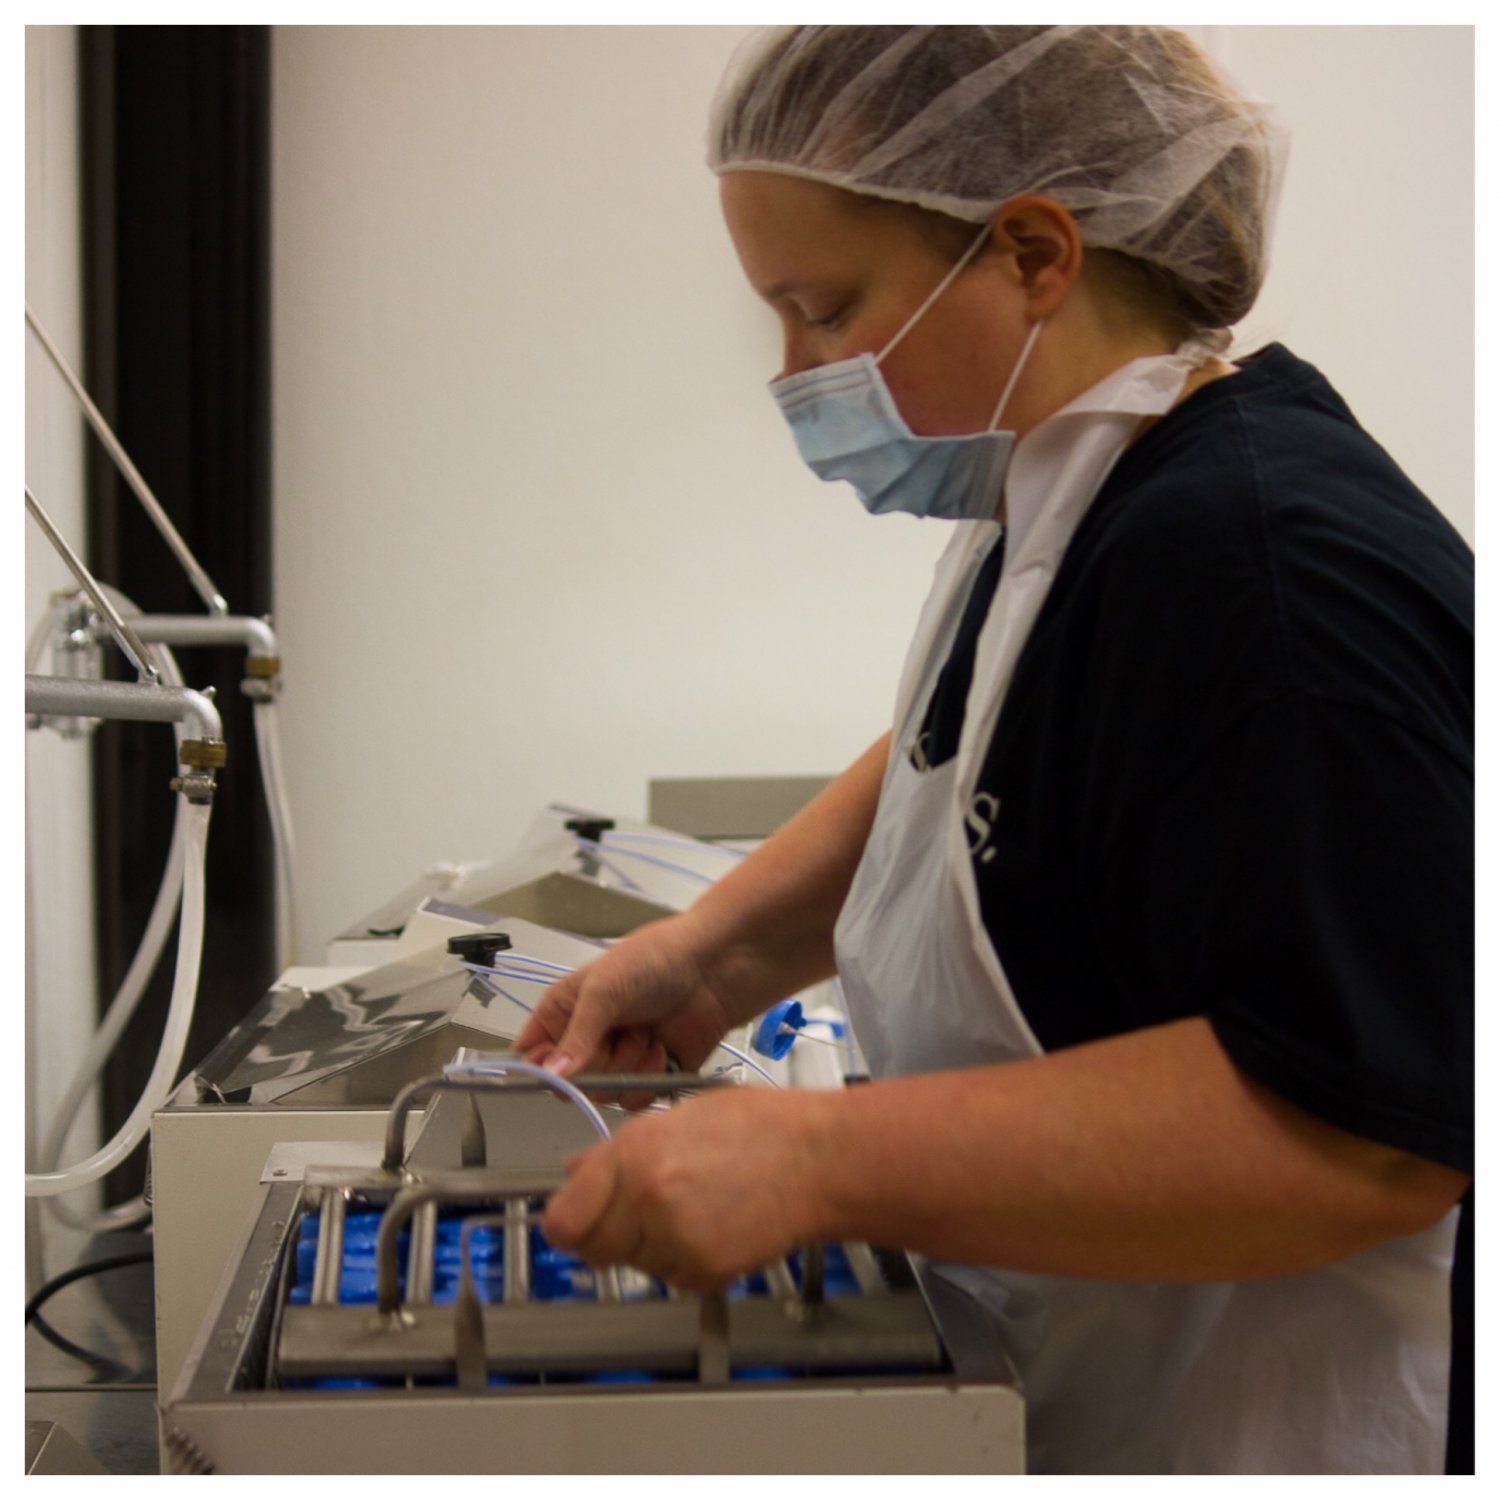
(1015, 375)
(942, 287)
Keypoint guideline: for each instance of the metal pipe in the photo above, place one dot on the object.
(256, 635)
(200, 579)
(469, 1187)
(812, 1274)
(517, 1252)
(421, 1251)
(130, 643)
(329, 1264)
(50, 696)
(780, 1280)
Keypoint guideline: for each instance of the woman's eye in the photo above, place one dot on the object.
(828, 320)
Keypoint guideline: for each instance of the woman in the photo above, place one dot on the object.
(1153, 912)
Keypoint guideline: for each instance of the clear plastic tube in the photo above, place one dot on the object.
(614, 835)
(499, 1067)
(116, 1018)
(127, 997)
(749, 1062)
(174, 1037)
(268, 747)
(851, 1055)
(592, 849)
(499, 972)
(651, 859)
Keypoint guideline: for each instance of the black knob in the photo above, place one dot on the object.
(479, 947)
(589, 828)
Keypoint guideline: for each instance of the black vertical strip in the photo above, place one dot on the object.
(1461, 1367)
(177, 301)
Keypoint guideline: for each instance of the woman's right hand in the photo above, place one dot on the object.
(647, 999)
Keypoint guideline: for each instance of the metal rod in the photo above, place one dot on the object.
(330, 1262)
(517, 1252)
(421, 1251)
(54, 697)
(200, 579)
(865, 1267)
(455, 1187)
(130, 643)
(713, 1339)
(257, 636)
(779, 1279)
(812, 1274)
(468, 1313)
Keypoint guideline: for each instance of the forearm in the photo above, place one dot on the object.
(1144, 1157)
(766, 929)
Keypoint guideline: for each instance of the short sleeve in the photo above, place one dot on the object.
(1307, 885)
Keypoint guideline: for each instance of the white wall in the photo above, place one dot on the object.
(1372, 275)
(61, 960)
(540, 532)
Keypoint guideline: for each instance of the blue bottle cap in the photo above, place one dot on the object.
(773, 1036)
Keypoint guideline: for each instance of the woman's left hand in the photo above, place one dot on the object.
(713, 1188)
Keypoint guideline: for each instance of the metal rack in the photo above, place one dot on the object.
(834, 1359)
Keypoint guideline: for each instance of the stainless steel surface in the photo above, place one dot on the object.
(206, 1166)
(564, 883)
(360, 1042)
(51, 1450)
(423, 1090)
(876, 1429)
(190, 564)
(964, 1417)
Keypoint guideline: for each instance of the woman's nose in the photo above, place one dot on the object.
(795, 357)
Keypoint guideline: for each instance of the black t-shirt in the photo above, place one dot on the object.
(1233, 776)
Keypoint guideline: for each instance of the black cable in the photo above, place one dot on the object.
(107, 1370)
(93, 1268)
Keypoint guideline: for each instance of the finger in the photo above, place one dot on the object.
(546, 1024)
(652, 1060)
(622, 1049)
(583, 1215)
(567, 1026)
(589, 1024)
(630, 1047)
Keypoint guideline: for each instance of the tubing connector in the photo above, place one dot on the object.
(202, 758)
(262, 681)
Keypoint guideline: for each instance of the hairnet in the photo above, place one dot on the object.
(1128, 127)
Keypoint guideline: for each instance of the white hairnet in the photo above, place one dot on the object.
(1128, 127)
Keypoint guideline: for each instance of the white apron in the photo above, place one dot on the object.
(1341, 1370)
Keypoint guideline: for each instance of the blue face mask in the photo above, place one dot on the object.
(846, 426)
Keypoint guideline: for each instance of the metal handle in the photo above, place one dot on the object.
(588, 1083)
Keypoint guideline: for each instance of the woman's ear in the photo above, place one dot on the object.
(1040, 239)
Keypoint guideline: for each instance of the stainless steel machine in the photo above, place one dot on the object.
(406, 1316)
(322, 1055)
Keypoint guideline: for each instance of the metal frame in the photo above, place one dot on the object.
(964, 1416)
